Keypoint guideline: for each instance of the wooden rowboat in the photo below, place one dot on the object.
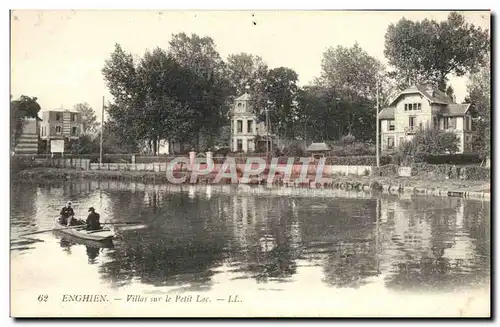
(104, 234)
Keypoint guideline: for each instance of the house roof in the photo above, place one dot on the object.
(455, 109)
(318, 147)
(386, 113)
(244, 97)
(432, 94)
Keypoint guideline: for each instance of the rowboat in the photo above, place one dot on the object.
(101, 235)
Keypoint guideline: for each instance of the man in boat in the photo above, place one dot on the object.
(66, 213)
(93, 220)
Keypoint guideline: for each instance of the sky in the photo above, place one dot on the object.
(58, 56)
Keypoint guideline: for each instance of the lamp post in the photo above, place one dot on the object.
(377, 125)
(305, 132)
(102, 129)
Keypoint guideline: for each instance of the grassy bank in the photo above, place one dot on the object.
(339, 181)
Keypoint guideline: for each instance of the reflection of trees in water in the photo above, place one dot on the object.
(22, 205)
(439, 246)
(263, 243)
(179, 247)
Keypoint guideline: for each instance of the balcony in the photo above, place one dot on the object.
(411, 130)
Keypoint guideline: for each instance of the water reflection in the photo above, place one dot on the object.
(193, 233)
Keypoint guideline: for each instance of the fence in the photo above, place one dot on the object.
(75, 163)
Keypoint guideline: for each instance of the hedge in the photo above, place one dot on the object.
(453, 159)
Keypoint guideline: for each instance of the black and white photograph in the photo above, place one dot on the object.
(250, 163)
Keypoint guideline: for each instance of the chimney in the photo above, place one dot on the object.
(429, 88)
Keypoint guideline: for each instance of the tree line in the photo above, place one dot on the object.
(184, 93)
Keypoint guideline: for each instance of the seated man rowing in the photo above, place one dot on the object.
(93, 220)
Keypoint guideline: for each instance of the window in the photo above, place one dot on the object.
(58, 129)
(249, 126)
(450, 123)
(73, 130)
(58, 116)
(406, 106)
(419, 106)
(410, 106)
(239, 145)
(411, 122)
(391, 125)
(239, 126)
(73, 117)
(435, 122)
(468, 123)
(390, 143)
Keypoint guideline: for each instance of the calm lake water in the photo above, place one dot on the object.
(359, 252)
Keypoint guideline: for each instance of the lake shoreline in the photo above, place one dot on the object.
(392, 185)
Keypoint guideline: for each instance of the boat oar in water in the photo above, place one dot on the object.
(50, 230)
(82, 226)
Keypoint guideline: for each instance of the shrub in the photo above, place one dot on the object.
(294, 150)
(429, 142)
(476, 173)
(376, 186)
(347, 139)
(388, 170)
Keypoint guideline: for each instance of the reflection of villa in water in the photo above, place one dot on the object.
(417, 243)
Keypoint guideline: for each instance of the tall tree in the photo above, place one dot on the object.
(350, 76)
(89, 119)
(479, 95)
(24, 107)
(245, 70)
(429, 51)
(278, 98)
(127, 107)
(210, 89)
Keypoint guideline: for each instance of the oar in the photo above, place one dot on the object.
(50, 230)
(124, 223)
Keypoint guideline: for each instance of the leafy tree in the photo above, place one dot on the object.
(89, 118)
(128, 97)
(278, 98)
(245, 70)
(479, 89)
(429, 51)
(352, 72)
(24, 107)
(347, 91)
(210, 88)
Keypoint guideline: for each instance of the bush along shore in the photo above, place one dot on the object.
(380, 182)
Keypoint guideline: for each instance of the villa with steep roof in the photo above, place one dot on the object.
(419, 107)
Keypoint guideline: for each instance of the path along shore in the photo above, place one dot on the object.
(416, 185)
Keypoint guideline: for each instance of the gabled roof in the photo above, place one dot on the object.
(433, 95)
(455, 109)
(318, 147)
(386, 113)
(244, 97)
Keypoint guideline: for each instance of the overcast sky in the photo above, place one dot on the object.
(57, 56)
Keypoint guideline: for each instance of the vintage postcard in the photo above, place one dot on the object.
(250, 163)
